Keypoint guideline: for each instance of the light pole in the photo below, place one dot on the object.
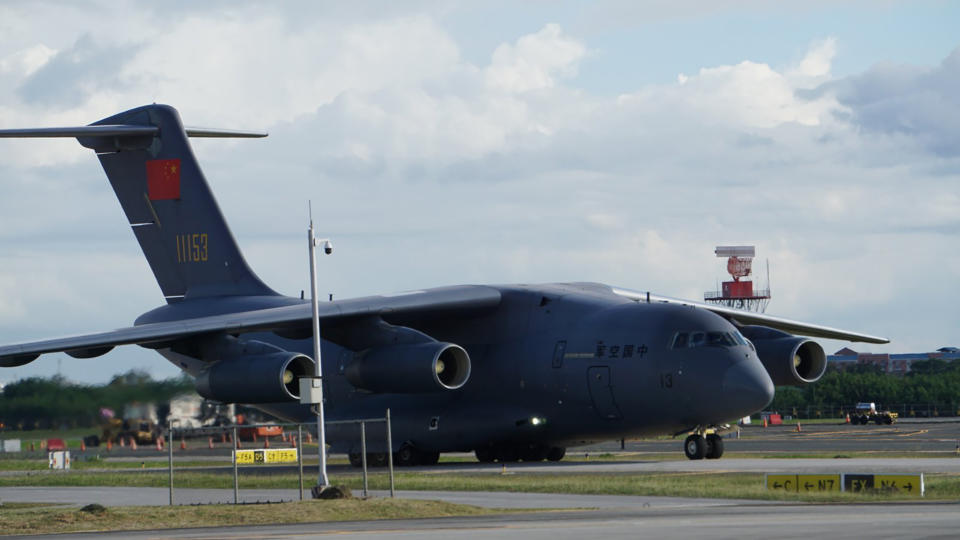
(315, 389)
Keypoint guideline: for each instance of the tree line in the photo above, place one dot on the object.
(932, 383)
(54, 402)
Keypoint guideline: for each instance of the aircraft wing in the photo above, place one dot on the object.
(750, 317)
(436, 302)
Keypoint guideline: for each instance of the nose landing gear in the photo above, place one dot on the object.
(698, 446)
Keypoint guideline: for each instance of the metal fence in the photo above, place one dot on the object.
(263, 456)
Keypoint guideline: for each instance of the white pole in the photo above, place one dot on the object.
(322, 480)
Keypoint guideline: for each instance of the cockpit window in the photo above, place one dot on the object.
(684, 340)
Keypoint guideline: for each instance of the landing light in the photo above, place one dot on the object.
(536, 421)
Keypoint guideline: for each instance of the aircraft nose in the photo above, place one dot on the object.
(746, 388)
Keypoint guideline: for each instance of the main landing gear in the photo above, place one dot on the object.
(698, 446)
(406, 456)
(508, 453)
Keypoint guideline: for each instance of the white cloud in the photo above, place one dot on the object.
(817, 61)
(749, 93)
(535, 62)
(27, 61)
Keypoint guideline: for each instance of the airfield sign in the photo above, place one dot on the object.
(266, 456)
(906, 484)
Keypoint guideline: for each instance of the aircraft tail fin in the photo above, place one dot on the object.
(167, 201)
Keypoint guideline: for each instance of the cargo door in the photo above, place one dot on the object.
(601, 392)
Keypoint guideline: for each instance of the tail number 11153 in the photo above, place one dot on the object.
(192, 248)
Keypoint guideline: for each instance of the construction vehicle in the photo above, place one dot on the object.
(867, 412)
(139, 423)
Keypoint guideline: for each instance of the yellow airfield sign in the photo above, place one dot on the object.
(904, 484)
(782, 482)
(907, 484)
(266, 456)
(911, 484)
(817, 483)
(804, 483)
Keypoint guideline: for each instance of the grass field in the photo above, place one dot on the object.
(711, 485)
(27, 518)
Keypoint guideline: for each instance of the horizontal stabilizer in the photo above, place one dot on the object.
(82, 131)
(223, 133)
(122, 131)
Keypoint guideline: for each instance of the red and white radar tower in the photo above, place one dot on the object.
(740, 293)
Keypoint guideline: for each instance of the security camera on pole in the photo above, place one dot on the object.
(311, 388)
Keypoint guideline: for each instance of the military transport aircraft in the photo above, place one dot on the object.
(509, 371)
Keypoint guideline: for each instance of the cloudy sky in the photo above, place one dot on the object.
(486, 142)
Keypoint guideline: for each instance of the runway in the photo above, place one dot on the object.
(615, 517)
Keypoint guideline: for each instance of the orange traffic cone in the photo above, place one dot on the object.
(210, 443)
(848, 418)
(109, 445)
(293, 441)
(764, 422)
(133, 444)
(183, 444)
(799, 428)
(159, 444)
(83, 446)
(266, 442)
(123, 442)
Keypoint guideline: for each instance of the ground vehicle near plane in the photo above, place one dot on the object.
(509, 372)
(867, 412)
(138, 423)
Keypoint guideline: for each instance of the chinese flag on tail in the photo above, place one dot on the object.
(163, 179)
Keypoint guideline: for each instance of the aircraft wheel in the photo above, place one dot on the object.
(556, 453)
(508, 454)
(695, 447)
(407, 456)
(714, 446)
(377, 459)
(485, 454)
(533, 452)
(429, 458)
(356, 459)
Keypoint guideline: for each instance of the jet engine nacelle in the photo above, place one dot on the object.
(789, 360)
(265, 378)
(409, 369)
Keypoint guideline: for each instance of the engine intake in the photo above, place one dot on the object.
(788, 359)
(410, 369)
(266, 378)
